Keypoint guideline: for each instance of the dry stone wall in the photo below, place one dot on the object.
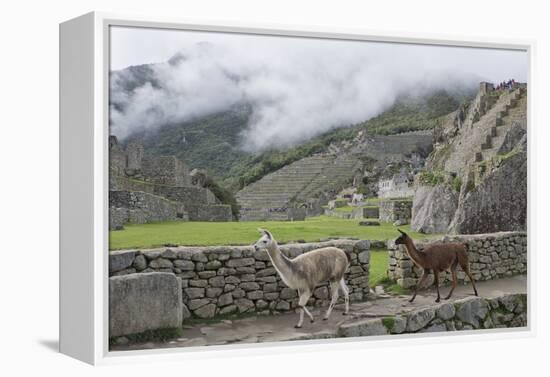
(221, 280)
(141, 207)
(161, 202)
(165, 170)
(395, 210)
(492, 256)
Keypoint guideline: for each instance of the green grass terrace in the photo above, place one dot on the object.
(191, 233)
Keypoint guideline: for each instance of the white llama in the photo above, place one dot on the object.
(307, 271)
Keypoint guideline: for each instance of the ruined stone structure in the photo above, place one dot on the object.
(481, 151)
(223, 280)
(144, 188)
(391, 211)
(401, 185)
(492, 256)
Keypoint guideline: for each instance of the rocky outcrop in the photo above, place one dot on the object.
(512, 138)
(500, 201)
(433, 208)
(483, 156)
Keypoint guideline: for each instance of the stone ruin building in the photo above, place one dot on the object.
(401, 185)
(145, 188)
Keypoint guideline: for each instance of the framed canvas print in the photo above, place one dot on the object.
(231, 187)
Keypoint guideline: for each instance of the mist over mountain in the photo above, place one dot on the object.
(290, 97)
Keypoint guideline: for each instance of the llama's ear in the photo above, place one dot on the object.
(266, 232)
(400, 231)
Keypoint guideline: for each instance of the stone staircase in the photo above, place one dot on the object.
(503, 117)
(485, 128)
(270, 197)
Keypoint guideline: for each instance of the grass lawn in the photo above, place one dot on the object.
(378, 276)
(193, 233)
(378, 266)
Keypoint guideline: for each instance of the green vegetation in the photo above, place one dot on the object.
(193, 233)
(470, 185)
(378, 273)
(210, 142)
(457, 183)
(378, 267)
(431, 177)
(388, 322)
(223, 195)
(413, 114)
(396, 289)
(504, 156)
(346, 209)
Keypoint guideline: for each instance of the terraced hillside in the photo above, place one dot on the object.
(322, 175)
(273, 195)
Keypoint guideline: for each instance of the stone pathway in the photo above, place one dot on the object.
(257, 329)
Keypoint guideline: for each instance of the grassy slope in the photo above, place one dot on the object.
(245, 233)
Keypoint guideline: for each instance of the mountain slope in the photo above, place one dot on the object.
(213, 142)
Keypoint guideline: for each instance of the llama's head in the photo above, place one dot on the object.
(265, 241)
(402, 238)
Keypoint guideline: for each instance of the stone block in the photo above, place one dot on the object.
(142, 302)
(366, 327)
(206, 311)
(419, 319)
(472, 310)
(121, 260)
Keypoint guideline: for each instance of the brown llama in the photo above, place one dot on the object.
(437, 258)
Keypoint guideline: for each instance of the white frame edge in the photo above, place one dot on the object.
(84, 74)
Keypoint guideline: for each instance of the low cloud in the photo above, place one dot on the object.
(297, 88)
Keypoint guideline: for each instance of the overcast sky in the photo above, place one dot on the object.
(299, 87)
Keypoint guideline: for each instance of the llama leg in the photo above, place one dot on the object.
(436, 282)
(311, 319)
(345, 289)
(420, 283)
(304, 297)
(466, 268)
(453, 286)
(334, 298)
(472, 280)
(301, 320)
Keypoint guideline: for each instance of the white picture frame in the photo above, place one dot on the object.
(84, 71)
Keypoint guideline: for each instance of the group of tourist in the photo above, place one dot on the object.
(506, 84)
